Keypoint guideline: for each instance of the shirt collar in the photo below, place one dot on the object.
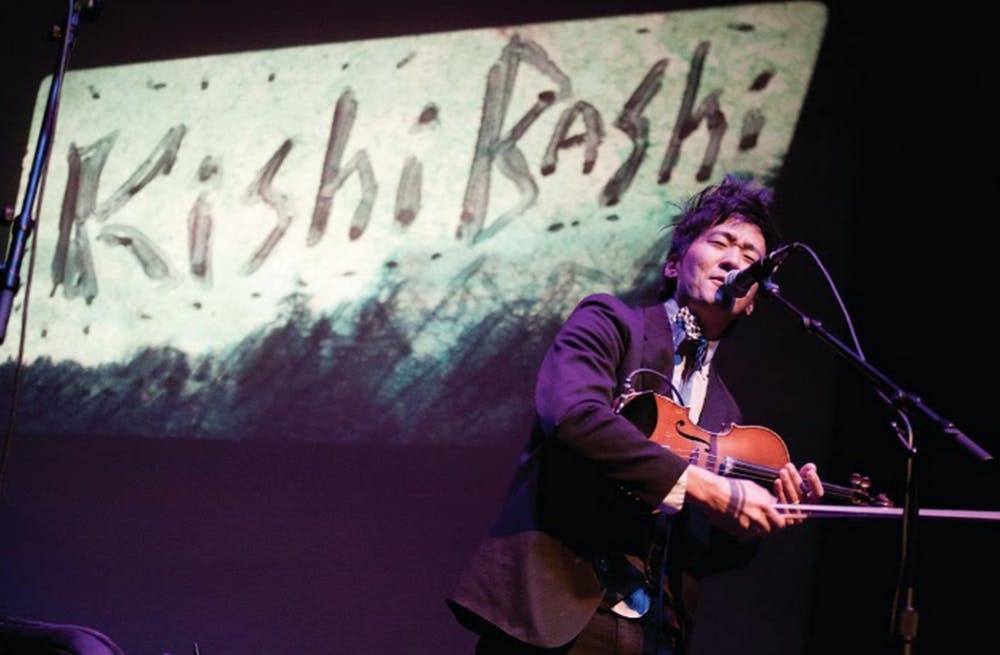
(671, 306)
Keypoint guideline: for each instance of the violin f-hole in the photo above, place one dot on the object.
(680, 427)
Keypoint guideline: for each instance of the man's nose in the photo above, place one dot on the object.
(732, 259)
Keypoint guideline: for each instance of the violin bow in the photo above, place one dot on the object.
(854, 511)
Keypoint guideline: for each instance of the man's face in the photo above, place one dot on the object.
(700, 272)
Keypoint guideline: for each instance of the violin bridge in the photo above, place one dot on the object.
(706, 459)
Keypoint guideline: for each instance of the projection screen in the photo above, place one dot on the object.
(360, 241)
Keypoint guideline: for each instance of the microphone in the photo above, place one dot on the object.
(737, 283)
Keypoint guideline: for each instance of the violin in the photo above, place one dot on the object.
(743, 451)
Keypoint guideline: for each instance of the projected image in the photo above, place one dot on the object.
(361, 241)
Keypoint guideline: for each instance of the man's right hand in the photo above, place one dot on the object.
(740, 507)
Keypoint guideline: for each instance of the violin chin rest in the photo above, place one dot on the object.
(640, 409)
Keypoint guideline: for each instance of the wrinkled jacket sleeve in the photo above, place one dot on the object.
(575, 392)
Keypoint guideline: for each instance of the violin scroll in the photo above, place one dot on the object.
(861, 492)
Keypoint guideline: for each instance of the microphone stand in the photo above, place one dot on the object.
(905, 617)
(17, 244)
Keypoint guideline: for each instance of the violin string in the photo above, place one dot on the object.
(765, 474)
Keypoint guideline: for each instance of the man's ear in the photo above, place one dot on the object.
(670, 269)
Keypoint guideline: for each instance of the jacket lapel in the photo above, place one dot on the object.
(658, 348)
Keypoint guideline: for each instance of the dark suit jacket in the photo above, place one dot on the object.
(583, 495)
